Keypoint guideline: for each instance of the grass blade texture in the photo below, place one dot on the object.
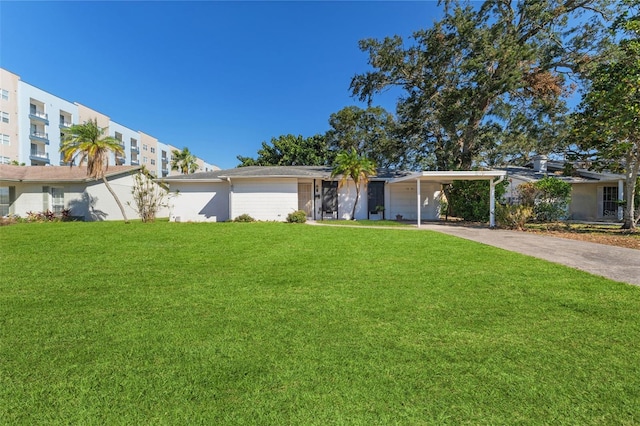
(266, 323)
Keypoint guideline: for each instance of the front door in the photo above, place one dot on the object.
(330, 199)
(375, 198)
(305, 198)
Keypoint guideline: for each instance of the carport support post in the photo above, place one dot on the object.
(492, 203)
(419, 206)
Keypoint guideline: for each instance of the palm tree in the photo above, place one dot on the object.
(349, 164)
(184, 161)
(86, 142)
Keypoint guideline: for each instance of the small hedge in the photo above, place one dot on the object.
(244, 218)
(299, 216)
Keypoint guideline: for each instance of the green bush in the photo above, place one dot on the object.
(512, 216)
(469, 200)
(244, 218)
(299, 216)
(549, 197)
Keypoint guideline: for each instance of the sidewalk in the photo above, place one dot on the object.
(616, 263)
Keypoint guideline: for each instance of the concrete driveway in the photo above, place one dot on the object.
(616, 263)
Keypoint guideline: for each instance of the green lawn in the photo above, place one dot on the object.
(234, 323)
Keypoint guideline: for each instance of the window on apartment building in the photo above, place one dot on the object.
(5, 160)
(119, 136)
(5, 117)
(5, 139)
(134, 142)
(7, 195)
(144, 159)
(153, 150)
(144, 147)
(5, 95)
(153, 162)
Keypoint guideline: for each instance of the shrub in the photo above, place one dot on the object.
(512, 216)
(9, 220)
(299, 216)
(549, 197)
(148, 196)
(244, 218)
(470, 199)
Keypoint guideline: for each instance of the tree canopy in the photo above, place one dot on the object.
(184, 161)
(370, 131)
(351, 165)
(485, 75)
(290, 150)
(607, 123)
(86, 142)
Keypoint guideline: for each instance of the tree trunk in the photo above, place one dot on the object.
(633, 165)
(115, 197)
(355, 203)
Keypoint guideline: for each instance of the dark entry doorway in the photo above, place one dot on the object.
(330, 199)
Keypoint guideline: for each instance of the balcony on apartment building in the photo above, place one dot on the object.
(38, 155)
(135, 148)
(135, 162)
(39, 136)
(65, 124)
(39, 116)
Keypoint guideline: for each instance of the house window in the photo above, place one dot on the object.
(6, 195)
(5, 95)
(5, 117)
(57, 200)
(609, 201)
(4, 139)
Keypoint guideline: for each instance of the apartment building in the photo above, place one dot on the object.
(33, 124)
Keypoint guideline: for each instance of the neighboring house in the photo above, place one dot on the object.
(37, 189)
(594, 196)
(272, 192)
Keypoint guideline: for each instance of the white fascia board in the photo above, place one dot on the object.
(165, 180)
(448, 176)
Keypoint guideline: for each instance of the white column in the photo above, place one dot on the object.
(492, 204)
(419, 205)
(620, 198)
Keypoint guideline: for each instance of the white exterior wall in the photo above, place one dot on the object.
(52, 107)
(91, 200)
(127, 134)
(346, 198)
(402, 199)
(200, 202)
(271, 199)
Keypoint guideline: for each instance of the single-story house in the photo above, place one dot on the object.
(270, 193)
(594, 195)
(41, 188)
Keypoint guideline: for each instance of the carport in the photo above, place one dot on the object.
(446, 177)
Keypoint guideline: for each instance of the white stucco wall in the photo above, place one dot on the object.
(200, 202)
(91, 200)
(271, 199)
(403, 200)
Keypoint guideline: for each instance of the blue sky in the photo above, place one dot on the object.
(218, 77)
